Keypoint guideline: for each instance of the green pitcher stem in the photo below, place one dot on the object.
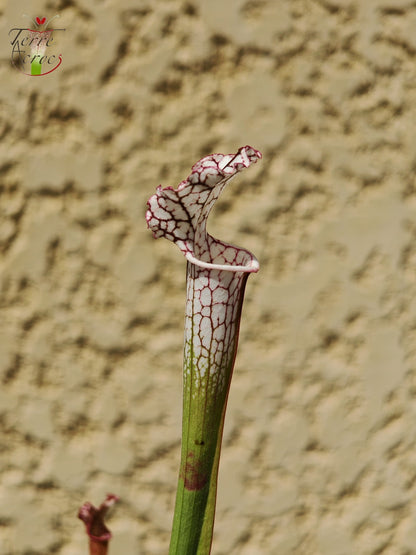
(193, 520)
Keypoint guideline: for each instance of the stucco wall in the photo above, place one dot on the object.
(319, 451)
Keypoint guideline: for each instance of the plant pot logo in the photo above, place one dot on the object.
(33, 50)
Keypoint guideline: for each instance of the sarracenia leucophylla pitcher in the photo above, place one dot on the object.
(216, 277)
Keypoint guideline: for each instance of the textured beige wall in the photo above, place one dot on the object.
(319, 453)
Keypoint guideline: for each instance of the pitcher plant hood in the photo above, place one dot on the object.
(180, 215)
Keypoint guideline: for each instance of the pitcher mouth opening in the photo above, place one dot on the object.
(252, 265)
